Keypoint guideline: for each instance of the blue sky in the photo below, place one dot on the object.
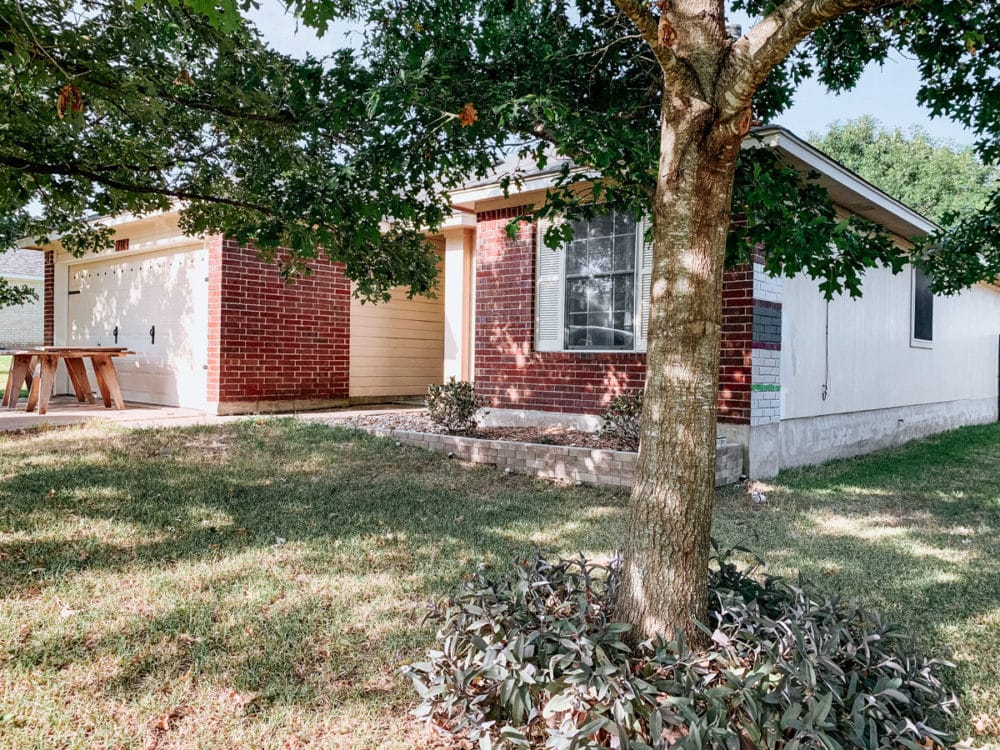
(888, 93)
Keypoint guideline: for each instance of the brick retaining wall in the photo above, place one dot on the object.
(558, 462)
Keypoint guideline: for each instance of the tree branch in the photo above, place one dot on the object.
(637, 11)
(771, 40)
(71, 170)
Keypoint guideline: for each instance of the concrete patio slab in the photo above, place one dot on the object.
(66, 410)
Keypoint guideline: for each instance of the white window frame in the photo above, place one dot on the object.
(639, 341)
(916, 343)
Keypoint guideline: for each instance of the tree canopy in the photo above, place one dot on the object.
(112, 107)
(117, 107)
(941, 180)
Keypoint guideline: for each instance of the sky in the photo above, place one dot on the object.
(888, 93)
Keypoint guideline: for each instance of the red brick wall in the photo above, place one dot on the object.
(735, 355)
(512, 375)
(49, 299)
(272, 341)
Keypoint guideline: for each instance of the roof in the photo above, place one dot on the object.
(22, 264)
(846, 188)
(517, 166)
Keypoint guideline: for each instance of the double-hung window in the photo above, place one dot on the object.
(593, 293)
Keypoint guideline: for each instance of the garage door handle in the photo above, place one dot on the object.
(115, 334)
(152, 334)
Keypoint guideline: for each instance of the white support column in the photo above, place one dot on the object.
(459, 247)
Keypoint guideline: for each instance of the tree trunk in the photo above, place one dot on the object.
(669, 518)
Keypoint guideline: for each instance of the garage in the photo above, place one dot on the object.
(156, 304)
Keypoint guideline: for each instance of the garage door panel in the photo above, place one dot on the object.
(167, 293)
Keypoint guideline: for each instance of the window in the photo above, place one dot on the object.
(923, 308)
(593, 295)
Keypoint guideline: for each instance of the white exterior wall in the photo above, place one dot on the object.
(881, 389)
(23, 325)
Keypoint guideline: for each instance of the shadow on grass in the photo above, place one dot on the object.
(286, 560)
(195, 493)
(912, 532)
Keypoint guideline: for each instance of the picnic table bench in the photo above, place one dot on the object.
(46, 359)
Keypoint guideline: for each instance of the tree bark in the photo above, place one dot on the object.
(668, 525)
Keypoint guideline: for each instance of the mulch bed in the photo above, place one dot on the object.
(417, 421)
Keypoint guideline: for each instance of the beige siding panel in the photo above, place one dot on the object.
(397, 347)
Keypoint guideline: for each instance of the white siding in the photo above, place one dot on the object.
(872, 364)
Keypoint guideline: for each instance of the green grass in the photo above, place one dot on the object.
(259, 584)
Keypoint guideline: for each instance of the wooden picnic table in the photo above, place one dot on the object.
(46, 359)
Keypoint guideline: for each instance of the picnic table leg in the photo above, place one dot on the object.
(78, 376)
(107, 381)
(10, 384)
(20, 370)
(41, 389)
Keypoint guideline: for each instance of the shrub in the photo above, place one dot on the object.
(622, 420)
(533, 658)
(453, 405)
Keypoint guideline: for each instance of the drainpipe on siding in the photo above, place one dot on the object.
(826, 359)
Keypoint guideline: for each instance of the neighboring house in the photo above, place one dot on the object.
(547, 336)
(21, 325)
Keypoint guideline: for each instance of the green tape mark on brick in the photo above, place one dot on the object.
(764, 387)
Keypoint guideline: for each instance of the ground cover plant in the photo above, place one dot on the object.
(534, 658)
(261, 584)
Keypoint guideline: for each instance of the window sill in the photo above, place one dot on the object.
(921, 344)
(600, 351)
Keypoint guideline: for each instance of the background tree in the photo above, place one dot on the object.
(108, 109)
(941, 180)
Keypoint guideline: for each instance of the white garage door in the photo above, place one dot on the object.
(158, 305)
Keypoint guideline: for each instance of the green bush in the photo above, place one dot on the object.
(453, 405)
(622, 420)
(534, 659)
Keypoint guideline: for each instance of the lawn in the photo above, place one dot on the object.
(259, 584)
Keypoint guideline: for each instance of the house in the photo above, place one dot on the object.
(21, 325)
(548, 337)
(214, 328)
(802, 380)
